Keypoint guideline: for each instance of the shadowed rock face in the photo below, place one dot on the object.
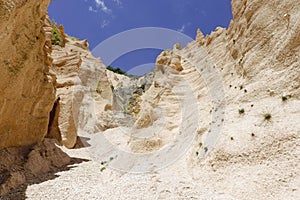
(22, 166)
(26, 87)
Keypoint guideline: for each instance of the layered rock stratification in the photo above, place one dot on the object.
(83, 91)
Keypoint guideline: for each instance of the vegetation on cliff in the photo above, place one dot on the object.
(56, 36)
(116, 70)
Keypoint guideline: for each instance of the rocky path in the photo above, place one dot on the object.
(187, 178)
(87, 181)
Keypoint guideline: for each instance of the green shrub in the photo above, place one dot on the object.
(116, 70)
(56, 35)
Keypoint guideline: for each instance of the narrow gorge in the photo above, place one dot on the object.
(218, 118)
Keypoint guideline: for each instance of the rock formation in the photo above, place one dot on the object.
(66, 64)
(245, 81)
(26, 87)
(18, 164)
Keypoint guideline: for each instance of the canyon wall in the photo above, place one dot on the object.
(27, 93)
(246, 79)
(45, 75)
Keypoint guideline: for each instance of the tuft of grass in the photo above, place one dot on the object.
(267, 116)
(241, 111)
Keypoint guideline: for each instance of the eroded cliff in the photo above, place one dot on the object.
(27, 93)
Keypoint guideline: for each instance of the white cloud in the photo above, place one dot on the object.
(118, 2)
(100, 4)
(104, 23)
(91, 9)
(182, 29)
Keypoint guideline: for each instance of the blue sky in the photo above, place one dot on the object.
(97, 20)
